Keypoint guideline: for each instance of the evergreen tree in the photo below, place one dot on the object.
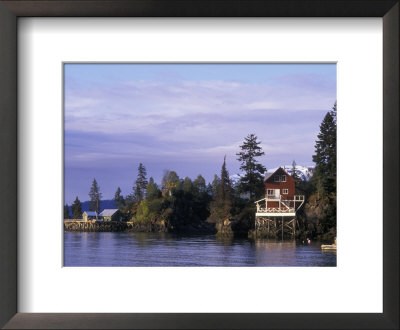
(215, 184)
(253, 179)
(294, 174)
(141, 183)
(66, 211)
(325, 152)
(200, 184)
(119, 199)
(187, 185)
(152, 191)
(324, 179)
(77, 208)
(130, 201)
(209, 189)
(224, 191)
(221, 207)
(95, 197)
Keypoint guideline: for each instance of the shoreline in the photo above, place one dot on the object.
(202, 228)
(118, 226)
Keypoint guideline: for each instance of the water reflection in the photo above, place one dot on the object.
(162, 249)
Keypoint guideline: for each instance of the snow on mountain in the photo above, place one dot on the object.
(234, 178)
(303, 172)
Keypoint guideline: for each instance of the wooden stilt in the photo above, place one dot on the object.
(294, 228)
(268, 215)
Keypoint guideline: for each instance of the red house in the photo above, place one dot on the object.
(280, 183)
(280, 195)
(279, 206)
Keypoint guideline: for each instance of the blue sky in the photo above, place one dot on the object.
(186, 117)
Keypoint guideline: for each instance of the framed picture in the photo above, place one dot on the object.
(182, 126)
(232, 317)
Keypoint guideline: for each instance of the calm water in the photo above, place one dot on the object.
(155, 249)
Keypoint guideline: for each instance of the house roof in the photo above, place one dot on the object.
(267, 176)
(108, 212)
(91, 213)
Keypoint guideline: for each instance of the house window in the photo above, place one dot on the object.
(280, 178)
(270, 192)
(285, 191)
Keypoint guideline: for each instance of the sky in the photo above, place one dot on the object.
(186, 118)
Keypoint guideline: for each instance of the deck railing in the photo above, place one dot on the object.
(275, 210)
(286, 205)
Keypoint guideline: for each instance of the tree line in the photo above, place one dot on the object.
(179, 203)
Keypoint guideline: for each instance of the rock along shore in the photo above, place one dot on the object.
(117, 226)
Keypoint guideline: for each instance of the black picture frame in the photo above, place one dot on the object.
(10, 10)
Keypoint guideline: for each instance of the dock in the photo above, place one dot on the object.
(330, 247)
(276, 216)
(94, 226)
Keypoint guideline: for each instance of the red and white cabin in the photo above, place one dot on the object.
(280, 198)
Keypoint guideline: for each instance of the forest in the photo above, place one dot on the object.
(184, 205)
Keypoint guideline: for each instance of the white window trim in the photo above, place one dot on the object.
(283, 178)
(277, 178)
(285, 191)
(270, 192)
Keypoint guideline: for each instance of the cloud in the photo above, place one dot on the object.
(143, 105)
(189, 125)
(76, 102)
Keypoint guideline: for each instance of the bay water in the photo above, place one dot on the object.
(122, 249)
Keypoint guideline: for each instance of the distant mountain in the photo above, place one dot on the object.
(235, 178)
(104, 204)
(303, 172)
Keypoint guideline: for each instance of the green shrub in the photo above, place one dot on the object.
(142, 215)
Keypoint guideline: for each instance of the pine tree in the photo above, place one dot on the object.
(294, 174)
(253, 179)
(66, 211)
(324, 179)
(130, 201)
(200, 184)
(209, 189)
(119, 199)
(77, 208)
(141, 183)
(224, 191)
(221, 206)
(325, 152)
(95, 197)
(215, 184)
